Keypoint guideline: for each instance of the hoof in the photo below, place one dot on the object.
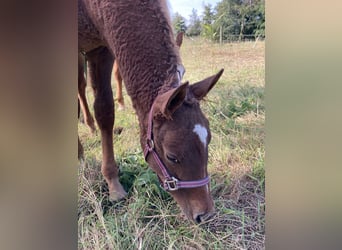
(117, 130)
(116, 196)
(121, 107)
(116, 191)
(92, 128)
(93, 131)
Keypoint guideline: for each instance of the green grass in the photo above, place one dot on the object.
(149, 218)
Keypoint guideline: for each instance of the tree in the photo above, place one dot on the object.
(194, 28)
(178, 23)
(226, 23)
(260, 20)
(208, 15)
(252, 18)
(236, 20)
(207, 23)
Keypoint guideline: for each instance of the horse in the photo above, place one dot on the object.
(174, 132)
(82, 99)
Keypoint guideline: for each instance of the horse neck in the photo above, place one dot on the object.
(146, 80)
(141, 37)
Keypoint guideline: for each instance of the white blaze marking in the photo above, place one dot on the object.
(202, 133)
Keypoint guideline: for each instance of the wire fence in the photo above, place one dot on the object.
(234, 38)
(242, 38)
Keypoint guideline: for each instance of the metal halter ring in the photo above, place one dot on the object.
(150, 144)
(171, 185)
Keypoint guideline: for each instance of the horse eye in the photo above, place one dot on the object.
(172, 158)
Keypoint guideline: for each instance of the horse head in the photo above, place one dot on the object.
(177, 146)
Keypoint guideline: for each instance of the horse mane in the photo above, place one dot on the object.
(144, 47)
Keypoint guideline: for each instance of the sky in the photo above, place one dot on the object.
(184, 7)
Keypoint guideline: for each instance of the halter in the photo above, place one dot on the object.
(170, 183)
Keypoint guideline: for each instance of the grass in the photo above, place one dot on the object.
(149, 218)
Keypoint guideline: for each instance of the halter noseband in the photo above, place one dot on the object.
(170, 183)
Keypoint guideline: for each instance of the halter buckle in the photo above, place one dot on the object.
(150, 144)
(171, 185)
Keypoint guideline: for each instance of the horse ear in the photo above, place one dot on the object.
(179, 38)
(168, 102)
(200, 89)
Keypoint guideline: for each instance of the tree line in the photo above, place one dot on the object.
(229, 20)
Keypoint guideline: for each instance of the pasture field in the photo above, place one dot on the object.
(149, 218)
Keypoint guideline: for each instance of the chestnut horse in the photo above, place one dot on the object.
(174, 133)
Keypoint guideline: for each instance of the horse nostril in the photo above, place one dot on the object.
(203, 217)
(198, 219)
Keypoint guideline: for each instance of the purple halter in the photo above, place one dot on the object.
(170, 183)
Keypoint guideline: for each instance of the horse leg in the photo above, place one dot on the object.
(80, 148)
(118, 81)
(88, 118)
(100, 68)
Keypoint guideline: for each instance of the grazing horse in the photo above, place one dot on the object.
(174, 133)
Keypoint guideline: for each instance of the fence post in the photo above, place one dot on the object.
(220, 34)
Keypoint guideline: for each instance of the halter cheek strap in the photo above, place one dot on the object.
(169, 183)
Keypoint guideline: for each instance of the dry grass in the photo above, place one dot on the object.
(149, 218)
